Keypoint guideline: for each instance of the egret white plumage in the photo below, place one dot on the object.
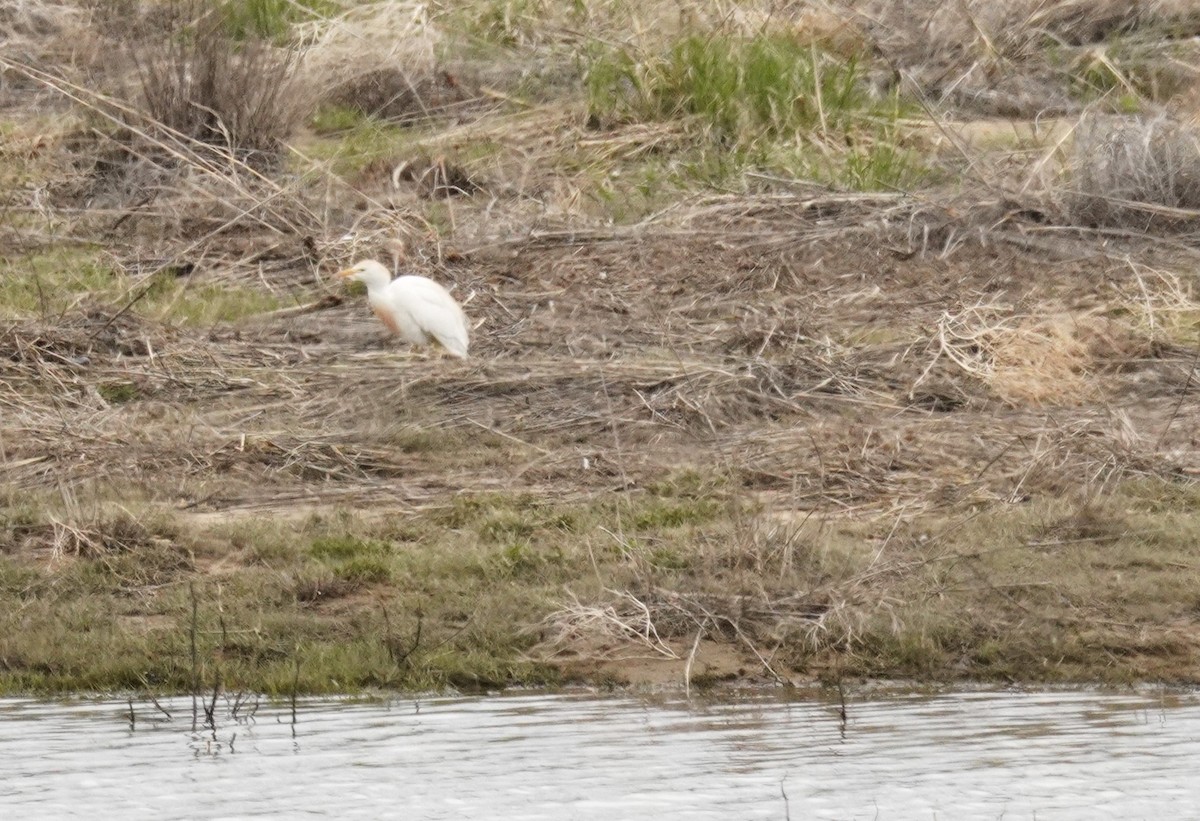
(414, 308)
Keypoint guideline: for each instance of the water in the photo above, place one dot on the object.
(1011, 755)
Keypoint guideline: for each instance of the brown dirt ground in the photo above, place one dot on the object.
(849, 372)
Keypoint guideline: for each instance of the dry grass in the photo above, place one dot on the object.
(196, 81)
(1033, 360)
(889, 432)
(1139, 173)
(1030, 58)
(381, 59)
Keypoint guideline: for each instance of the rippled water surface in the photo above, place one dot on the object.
(966, 755)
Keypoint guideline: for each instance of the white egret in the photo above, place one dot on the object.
(413, 307)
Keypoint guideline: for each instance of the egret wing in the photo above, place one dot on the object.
(435, 312)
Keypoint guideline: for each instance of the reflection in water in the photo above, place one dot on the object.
(966, 755)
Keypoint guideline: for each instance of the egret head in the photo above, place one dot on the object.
(369, 272)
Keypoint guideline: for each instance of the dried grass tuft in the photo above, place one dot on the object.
(196, 80)
(99, 536)
(56, 35)
(1018, 58)
(1042, 360)
(381, 59)
(1033, 359)
(1142, 173)
(23, 21)
(619, 625)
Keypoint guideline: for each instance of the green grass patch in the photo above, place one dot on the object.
(56, 280)
(346, 547)
(1125, 74)
(209, 303)
(49, 283)
(117, 393)
(355, 560)
(272, 19)
(1053, 590)
(18, 580)
(330, 120)
(351, 142)
(660, 514)
(511, 23)
(365, 570)
(337, 592)
(765, 102)
(768, 84)
(524, 558)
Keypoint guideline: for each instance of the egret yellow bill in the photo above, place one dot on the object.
(414, 308)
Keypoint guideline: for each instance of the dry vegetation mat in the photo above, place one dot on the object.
(775, 375)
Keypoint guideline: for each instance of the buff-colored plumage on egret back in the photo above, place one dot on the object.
(413, 307)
